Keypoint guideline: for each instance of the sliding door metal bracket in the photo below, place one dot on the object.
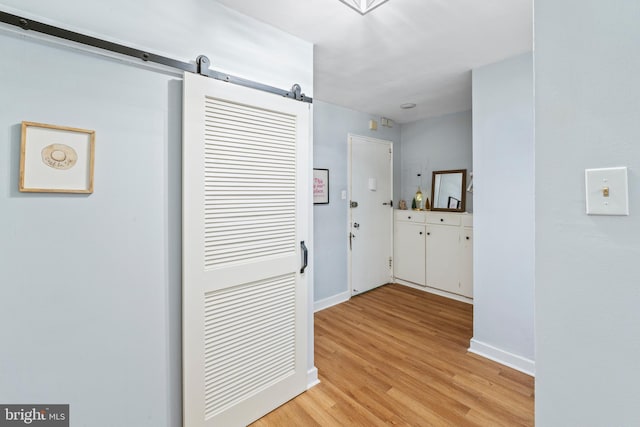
(203, 69)
(200, 67)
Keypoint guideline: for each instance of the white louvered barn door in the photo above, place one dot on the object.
(246, 186)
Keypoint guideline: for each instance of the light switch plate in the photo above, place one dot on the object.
(607, 191)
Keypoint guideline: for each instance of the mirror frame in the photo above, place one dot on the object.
(463, 190)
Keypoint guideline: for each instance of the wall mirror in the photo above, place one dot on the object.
(448, 191)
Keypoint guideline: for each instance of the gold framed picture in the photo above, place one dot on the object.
(56, 159)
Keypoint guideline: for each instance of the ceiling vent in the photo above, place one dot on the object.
(363, 6)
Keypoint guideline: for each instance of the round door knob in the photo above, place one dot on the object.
(428, 234)
(441, 219)
(467, 237)
(421, 233)
(409, 217)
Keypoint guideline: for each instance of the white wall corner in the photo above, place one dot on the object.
(331, 301)
(312, 377)
(503, 357)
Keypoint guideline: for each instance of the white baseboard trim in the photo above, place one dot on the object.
(435, 291)
(312, 377)
(511, 360)
(331, 301)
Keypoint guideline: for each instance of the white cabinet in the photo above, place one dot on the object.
(435, 249)
(466, 262)
(443, 246)
(409, 257)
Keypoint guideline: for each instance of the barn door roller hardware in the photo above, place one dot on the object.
(200, 67)
(295, 92)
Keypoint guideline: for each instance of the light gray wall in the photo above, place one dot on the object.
(234, 43)
(331, 126)
(436, 143)
(503, 220)
(587, 65)
(91, 284)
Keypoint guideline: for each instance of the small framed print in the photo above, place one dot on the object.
(56, 159)
(320, 186)
(453, 203)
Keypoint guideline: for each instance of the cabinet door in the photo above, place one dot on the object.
(409, 252)
(466, 262)
(443, 246)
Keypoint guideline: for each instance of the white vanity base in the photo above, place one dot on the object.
(433, 251)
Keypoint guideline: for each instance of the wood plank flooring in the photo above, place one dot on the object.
(398, 356)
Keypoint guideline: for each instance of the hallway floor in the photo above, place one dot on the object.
(398, 356)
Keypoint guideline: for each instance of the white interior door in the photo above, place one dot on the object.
(246, 186)
(370, 213)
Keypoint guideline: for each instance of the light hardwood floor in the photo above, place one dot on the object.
(398, 356)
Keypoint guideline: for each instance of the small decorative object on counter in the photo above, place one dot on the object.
(427, 205)
(413, 204)
(402, 205)
(418, 199)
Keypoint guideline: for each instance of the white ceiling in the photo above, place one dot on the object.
(419, 51)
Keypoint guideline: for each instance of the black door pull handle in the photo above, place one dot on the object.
(305, 256)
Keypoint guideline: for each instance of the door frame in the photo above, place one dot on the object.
(349, 159)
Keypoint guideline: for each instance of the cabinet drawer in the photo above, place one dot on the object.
(411, 216)
(443, 218)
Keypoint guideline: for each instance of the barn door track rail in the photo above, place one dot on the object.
(201, 65)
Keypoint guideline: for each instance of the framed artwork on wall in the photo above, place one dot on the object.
(320, 186)
(56, 159)
(454, 203)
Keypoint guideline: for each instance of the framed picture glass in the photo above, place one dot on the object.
(320, 186)
(56, 159)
